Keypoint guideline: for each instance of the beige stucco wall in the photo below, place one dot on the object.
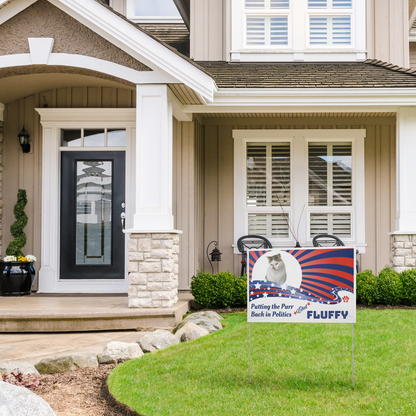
(42, 19)
(388, 31)
(379, 181)
(24, 170)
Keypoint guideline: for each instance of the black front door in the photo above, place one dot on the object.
(92, 202)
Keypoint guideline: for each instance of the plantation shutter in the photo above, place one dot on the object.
(279, 4)
(330, 30)
(268, 185)
(317, 4)
(254, 4)
(341, 4)
(256, 30)
(330, 185)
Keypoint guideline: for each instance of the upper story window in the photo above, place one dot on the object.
(154, 11)
(266, 22)
(298, 30)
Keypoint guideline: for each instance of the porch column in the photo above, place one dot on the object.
(403, 239)
(153, 246)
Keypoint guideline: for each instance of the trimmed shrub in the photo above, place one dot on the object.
(240, 291)
(220, 290)
(389, 287)
(408, 280)
(366, 287)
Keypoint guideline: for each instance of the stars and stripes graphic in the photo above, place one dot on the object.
(325, 272)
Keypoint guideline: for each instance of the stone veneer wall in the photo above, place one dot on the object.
(403, 251)
(153, 270)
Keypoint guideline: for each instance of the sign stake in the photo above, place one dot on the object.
(249, 352)
(353, 355)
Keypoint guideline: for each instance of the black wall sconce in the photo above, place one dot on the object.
(24, 140)
(215, 254)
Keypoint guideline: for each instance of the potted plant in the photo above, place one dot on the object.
(17, 272)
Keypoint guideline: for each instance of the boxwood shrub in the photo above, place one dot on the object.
(389, 287)
(408, 279)
(220, 290)
(366, 287)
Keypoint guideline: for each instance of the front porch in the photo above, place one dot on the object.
(82, 313)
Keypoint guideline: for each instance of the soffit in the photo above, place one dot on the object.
(185, 95)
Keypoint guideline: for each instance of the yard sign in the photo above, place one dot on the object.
(301, 285)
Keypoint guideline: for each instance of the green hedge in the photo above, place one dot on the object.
(220, 290)
(388, 288)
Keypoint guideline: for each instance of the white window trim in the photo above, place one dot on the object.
(298, 48)
(131, 15)
(52, 121)
(299, 140)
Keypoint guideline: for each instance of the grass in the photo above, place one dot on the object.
(297, 369)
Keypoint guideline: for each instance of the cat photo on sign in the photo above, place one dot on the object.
(276, 272)
(278, 266)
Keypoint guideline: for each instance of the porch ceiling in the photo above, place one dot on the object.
(21, 82)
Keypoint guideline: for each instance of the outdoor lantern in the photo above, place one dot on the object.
(24, 140)
(215, 254)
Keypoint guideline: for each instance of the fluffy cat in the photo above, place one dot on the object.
(276, 272)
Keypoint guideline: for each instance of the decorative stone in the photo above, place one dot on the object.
(190, 331)
(66, 363)
(398, 261)
(205, 314)
(211, 325)
(19, 401)
(23, 366)
(150, 267)
(157, 340)
(115, 351)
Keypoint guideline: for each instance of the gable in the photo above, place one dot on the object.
(44, 20)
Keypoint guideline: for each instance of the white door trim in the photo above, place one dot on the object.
(52, 120)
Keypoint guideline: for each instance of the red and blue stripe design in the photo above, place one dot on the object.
(324, 273)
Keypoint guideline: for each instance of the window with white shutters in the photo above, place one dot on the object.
(267, 23)
(268, 187)
(291, 185)
(330, 185)
(298, 30)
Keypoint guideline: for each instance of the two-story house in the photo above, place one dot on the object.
(156, 130)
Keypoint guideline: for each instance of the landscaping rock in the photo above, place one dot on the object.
(157, 340)
(66, 363)
(19, 401)
(115, 351)
(205, 314)
(190, 331)
(23, 366)
(211, 325)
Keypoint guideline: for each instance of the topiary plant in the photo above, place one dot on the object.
(15, 247)
(389, 287)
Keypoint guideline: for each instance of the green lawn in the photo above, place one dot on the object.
(297, 369)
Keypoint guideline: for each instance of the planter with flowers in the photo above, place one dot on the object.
(17, 271)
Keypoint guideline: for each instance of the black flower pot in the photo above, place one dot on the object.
(16, 278)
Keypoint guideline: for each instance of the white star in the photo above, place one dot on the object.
(272, 284)
(301, 290)
(284, 287)
(280, 294)
(251, 293)
(265, 294)
(257, 285)
(328, 303)
(293, 291)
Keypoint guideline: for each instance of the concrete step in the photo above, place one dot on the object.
(37, 313)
